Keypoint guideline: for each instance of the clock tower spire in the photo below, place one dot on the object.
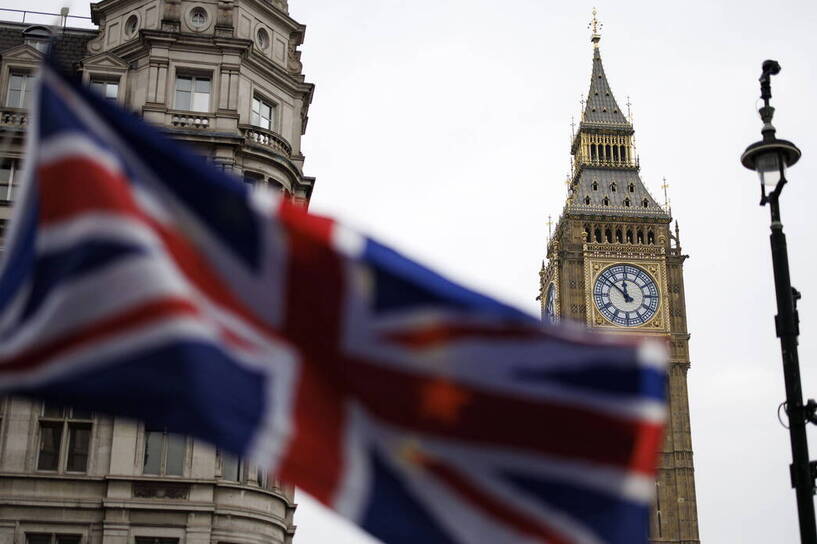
(614, 264)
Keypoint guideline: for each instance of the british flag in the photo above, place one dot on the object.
(140, 281)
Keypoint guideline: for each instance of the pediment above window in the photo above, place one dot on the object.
(22, 53)
(104, 61)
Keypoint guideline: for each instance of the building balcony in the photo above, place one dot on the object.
(266, 138)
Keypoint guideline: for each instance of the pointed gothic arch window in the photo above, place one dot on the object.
(623, 154)
(606, 201)
(640, 236)
(592, 152)
(615, 153)
(587, 201)
(587, 236)
(631, 188)
(613, 187)
(607, 152)
(626, 202)
(629, 236)
(598, 235)
(595, 185)
(608, 235)
(619, 238)
(650, 238)
(645, 203)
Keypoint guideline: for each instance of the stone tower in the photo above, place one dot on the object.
(615, 265)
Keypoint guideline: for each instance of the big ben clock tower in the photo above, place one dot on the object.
(615, 265)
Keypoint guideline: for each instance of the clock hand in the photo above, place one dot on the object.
(627, 297)
(623, 293)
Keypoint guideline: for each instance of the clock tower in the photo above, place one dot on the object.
(614, 263)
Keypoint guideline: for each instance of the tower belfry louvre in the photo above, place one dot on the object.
(615, 264)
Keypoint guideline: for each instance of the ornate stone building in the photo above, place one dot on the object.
(615, 264)
(225, 77)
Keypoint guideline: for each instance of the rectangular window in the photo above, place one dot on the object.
(19, 93)
(65, 439)
(262, 113)
(192, 93)
(231, 468)
(155, 540)
(8, 182)
(164, 452)
(109, 88)
(51, 538)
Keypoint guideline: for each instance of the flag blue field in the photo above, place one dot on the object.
(141, 282)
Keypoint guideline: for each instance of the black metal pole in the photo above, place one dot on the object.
(786, 325)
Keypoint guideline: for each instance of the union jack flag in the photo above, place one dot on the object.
(141, 282)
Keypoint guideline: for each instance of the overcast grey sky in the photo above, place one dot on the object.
(442, 127)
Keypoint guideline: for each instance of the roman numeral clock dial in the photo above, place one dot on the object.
(626, 295)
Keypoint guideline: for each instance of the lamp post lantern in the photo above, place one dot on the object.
(769, 158)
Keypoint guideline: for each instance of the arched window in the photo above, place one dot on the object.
(613, 187)
(606, 201)
(592, 152)
(587, 200)
(615, 153)
(587, 236)
(619, 238)
(629, 236)
(595, 185)
(623, 154)
(645, 203)
(607, 152)
(626, 202)
(650, 238)
(598, 235)
(608, 235)
(631, 188)
(640, 236)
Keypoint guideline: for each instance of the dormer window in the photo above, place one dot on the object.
(613, 187)
(587, 200)
(606, 201)
(595, 185)
(645, 203)
(37, 37)
(109, 88)
(631, 188)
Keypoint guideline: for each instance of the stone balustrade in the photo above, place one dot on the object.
(189, 120)
(13, 117)
(268, 139)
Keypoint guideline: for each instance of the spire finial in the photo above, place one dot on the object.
(665, 186)
(595, 26)
(629, 110)
(550, 233)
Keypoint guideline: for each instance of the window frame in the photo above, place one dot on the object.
(106, 79)
(66, 422)
(163, 452)
(193, 77)
(273, 112)
(28, 80)
(11, 185)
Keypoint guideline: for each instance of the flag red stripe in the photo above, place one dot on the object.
(491, 506)
(509, 421)
(100, 330)
(313, 460)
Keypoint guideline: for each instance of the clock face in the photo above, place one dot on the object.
(626, 295)
(550, 304)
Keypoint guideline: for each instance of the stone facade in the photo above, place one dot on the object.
(225, 77)
(611, 227)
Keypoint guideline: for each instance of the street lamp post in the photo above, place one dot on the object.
(769, 158)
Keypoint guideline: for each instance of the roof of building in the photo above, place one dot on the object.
(70, 44)
(601, 107)
(623, 190)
